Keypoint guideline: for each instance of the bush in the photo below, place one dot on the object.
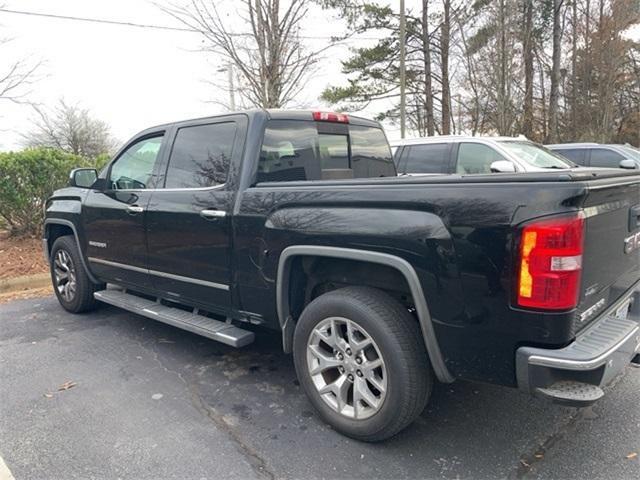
(28, 178)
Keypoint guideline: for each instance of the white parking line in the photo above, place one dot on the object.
(5, 473)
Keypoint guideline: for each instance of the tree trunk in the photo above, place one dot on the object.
(444, 45)
(426, 50)
(527, 54)
(555, 74)
(574, 74)
(502, 78)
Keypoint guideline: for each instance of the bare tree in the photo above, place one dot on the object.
(426, 52)
(15, 76)
(72, 129)
(445, 38)
(527, 58)
(555, 72)
(272, 63)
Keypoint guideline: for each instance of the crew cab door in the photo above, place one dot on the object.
(114, 216)
(189, 216)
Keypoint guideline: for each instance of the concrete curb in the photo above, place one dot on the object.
(27, 282)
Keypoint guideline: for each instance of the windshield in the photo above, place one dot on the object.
(631, 152)
(535, 155)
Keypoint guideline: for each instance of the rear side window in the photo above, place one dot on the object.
(306, 150)
(476, 158)
(431, 158)
(576, 155)
(201, 155)
(601, 157)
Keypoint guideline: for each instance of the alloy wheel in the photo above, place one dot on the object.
(65, 275)
(347, 368)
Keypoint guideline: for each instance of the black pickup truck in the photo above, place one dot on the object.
(379, 284)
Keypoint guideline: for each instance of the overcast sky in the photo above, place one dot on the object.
(134, 78)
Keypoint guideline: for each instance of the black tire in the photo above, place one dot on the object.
(82, 298)
(399, 340)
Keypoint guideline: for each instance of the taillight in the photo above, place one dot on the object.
(551, 263)
(330, 117)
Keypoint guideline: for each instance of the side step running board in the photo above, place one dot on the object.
(199, 324)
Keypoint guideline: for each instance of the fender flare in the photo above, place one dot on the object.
(70, 224)
(424, 317)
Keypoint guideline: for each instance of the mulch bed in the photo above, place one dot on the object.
(20, 256)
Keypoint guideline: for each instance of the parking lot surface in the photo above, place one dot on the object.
(145, 400)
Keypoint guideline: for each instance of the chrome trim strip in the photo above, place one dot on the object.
(213, 187)
(118, 265)
(172, 276)
(197, 281)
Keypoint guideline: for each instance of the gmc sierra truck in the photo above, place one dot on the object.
(379, 285)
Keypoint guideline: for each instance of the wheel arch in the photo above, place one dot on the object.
(400, 265)
(57, 227)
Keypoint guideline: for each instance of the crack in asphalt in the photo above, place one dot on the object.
(257, 463)
(537, 456)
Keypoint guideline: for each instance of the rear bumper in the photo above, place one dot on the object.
(575, 374)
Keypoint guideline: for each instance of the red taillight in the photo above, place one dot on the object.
(330, 117)
(551, 263)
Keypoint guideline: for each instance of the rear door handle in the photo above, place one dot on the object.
(212, 214)
(133, 209)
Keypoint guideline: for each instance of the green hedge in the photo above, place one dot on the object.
(28, 178)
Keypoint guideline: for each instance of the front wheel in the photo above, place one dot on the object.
(360, 358)
(71, 284)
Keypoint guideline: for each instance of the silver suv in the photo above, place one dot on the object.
(466, 155)
(599, 155)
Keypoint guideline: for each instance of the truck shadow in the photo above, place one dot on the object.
(466, 430)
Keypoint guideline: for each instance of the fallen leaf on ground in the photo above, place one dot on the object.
(67, 385)
(164, 340)
(632, 455)
(539, 455)
(48, 395)
(525, 464)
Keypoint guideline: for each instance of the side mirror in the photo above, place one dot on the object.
(628, 164)
(503, 166)
(83, 177)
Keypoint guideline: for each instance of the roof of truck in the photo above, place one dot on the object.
(272, 113)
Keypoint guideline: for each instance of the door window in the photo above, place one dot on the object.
(476, 158)
(134, 167)
(601, 157)
(201, 155)
(432, 158)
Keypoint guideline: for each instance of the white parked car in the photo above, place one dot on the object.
(466, 155)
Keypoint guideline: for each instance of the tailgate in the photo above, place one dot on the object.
(611, 259)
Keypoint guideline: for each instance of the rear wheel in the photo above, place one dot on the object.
(360, 358)
(71, 284)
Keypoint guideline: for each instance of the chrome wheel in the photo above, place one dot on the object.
(65, 275)
(347, 368)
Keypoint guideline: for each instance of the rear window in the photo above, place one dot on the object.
(306, 150)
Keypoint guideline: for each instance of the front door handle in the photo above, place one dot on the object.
(134, 209)
(211, 214)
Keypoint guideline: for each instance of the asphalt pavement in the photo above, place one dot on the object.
(147, 400)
